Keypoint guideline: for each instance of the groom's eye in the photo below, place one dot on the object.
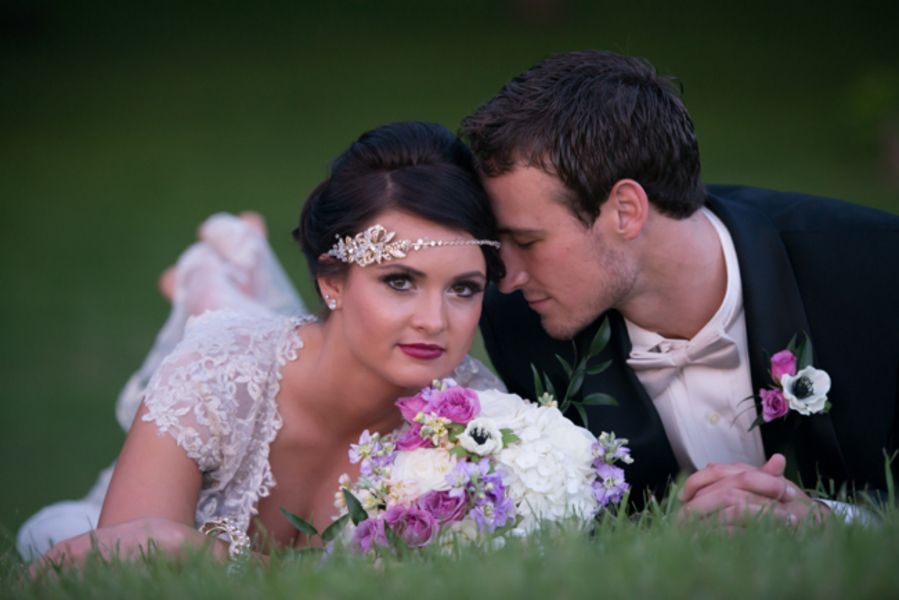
(524, 244)
(400, 283)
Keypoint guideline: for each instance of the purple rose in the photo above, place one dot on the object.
(369, 533)
(410, 406)
(783, 363)
(443, 506)
(412, 439)
(774, 405)
(459, 405)
(414, 526)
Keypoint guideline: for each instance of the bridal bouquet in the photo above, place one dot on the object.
(473, 464)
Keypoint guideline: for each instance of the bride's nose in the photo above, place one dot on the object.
(430, 313)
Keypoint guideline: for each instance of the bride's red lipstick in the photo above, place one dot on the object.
(422, 351)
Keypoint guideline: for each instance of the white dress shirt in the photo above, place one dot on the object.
(702, 387)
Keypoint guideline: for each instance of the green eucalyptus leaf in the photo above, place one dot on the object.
(304, 526)
(601, 339)
(538, 385)
(509, 436)
(565, 366)
(459, 451)
(354, 507)
(792, 345)
(550, 387)
(581, 411)
(334, 529)
(576, 381)
(805, 357)
(599, 368)
(599, 399)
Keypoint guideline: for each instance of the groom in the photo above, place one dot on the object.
(592, 166)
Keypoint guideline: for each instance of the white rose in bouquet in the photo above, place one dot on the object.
(422, 470)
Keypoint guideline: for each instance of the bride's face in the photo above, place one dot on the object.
(411, 320)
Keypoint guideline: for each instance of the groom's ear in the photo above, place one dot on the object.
(629, 208)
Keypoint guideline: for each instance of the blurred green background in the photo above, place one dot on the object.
(123, 126)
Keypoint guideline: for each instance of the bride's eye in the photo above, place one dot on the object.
(466, 289)
(398, 282)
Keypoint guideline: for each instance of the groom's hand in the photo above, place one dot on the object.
(735, 493)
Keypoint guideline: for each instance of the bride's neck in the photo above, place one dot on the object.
(341, 393)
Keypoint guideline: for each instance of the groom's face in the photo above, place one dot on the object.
(568, 272)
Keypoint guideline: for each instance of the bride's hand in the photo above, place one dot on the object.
(125, 541)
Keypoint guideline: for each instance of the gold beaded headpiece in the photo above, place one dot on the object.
(376, 245)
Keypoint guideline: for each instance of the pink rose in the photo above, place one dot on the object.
(414, 526)
(369, 533)
(774, 405)
(410, 406)
(783, 363)
(412, 439)
(459, 405)
(443, 507)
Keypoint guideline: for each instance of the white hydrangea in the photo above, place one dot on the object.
(549, 472)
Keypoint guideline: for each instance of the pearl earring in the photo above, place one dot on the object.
(331, 302)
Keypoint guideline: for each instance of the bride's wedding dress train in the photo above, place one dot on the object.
(230, 267)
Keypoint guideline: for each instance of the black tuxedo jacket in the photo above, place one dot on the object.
(807, 264)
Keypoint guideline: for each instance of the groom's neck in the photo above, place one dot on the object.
(682, 277)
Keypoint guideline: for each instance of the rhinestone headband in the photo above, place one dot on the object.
(376, 245)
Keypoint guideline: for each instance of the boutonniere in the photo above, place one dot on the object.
(796, 384)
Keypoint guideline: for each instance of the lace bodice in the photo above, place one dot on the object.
(215, 394)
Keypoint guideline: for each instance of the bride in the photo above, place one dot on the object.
(254, 410)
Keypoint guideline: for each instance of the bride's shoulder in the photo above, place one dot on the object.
(233, 332)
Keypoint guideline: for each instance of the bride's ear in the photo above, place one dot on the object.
(628, 207)
(331, 287)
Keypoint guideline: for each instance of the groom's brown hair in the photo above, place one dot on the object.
(593, 118)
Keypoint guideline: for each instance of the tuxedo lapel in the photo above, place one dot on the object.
(635, 417)
(774, 314)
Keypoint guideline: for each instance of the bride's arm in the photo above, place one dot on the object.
(128, 540)
(152, 496)
(153, 477)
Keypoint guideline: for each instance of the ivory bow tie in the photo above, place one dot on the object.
(660, 364)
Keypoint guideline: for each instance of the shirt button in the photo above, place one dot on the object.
(714, 418)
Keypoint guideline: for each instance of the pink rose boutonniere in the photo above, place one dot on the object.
(797, 385)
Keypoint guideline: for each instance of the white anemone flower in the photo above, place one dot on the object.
(806, 391)
(482, 437)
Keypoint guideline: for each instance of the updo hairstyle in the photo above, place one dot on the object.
(419, 168)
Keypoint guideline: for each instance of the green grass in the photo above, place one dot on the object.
(122, 127)
(651, 556)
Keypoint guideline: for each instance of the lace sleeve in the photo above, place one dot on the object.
(211, 386)
(474, 374)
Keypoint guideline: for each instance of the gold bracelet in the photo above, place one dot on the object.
(238, 540)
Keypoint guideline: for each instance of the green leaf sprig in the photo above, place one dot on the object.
(546, 392)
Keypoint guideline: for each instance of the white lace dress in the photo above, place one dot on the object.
(211, 380)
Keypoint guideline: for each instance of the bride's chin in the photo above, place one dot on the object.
(417, 378)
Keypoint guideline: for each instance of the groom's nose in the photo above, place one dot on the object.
(516, 275)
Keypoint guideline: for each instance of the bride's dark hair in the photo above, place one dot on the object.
(419, 168)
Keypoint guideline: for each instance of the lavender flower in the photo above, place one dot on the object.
(609, 486)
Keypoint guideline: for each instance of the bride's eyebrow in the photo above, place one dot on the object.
(395, 268)
(470, 275)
